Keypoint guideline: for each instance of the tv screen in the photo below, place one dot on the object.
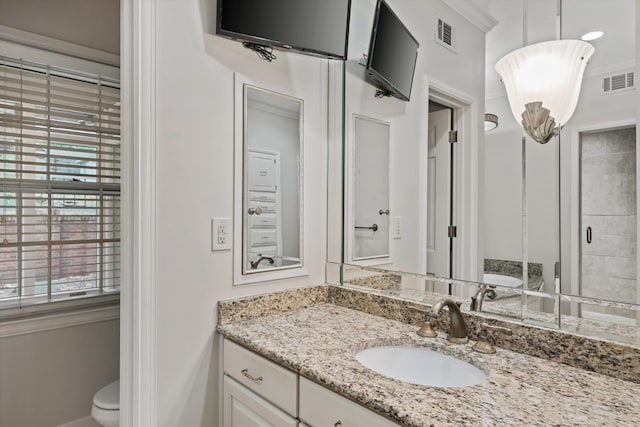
(393, 52)
(315, 27)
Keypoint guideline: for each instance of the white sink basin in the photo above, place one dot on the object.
(501, 280)
(419, 365)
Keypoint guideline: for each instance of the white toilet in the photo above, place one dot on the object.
(106, 405)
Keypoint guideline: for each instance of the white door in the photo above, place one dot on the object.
(609, 236)
(438, 193)
(264, 231)
(371, 188)
(244, 408)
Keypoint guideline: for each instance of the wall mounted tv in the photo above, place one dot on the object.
(393, 52)
(314, 27)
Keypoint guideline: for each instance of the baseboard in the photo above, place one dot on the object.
(87, 421)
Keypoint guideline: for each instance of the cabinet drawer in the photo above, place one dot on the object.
(262, 197)
(321, 407)
(266, 207)
(258, 237)
(262, 221)
(244, 408)
(274, 383)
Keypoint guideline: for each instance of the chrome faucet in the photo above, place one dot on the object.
(457, 328)
(255, 264)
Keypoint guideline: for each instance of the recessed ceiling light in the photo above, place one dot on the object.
(592, 35)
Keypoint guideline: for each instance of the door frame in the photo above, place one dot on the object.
(448, 181)
(138, 321)
(467, 177)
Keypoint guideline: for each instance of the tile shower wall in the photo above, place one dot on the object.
(608, 192)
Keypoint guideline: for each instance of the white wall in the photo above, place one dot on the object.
(49, 378)
(502, 195)
(462, 71)
(90, 23)
(194, 127)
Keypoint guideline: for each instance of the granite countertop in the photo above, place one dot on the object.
(320, 342)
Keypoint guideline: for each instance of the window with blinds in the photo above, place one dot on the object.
(59, 184)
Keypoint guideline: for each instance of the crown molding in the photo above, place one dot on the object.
(476, 15)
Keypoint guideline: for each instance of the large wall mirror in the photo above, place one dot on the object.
(553, 230)
(272, 191)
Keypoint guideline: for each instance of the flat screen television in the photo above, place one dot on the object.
(314, 27)
(393, 53)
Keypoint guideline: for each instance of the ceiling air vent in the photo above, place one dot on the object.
(618, 82)
(445, 35)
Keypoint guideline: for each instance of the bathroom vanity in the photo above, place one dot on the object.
(255, 387)
(307, 348)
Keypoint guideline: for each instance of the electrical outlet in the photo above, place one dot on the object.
(220, 234)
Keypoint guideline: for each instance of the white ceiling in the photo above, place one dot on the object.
(614, 51)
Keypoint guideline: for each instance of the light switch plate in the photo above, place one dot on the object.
(221, 234)
(397, 227)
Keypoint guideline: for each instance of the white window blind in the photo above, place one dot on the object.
(59, 184)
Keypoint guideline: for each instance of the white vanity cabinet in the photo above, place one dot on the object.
(321, 407)
(244, 408)
(260, 393)
(257, 392)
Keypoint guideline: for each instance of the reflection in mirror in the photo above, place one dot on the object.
(598, 192)
(544, 247)
(439, 166)
(370, 189)
(608, 221)
(567, 186)
(272, 237)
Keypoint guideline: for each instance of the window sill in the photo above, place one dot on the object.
(60, 315)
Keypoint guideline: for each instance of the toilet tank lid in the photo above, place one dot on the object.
(108, 397)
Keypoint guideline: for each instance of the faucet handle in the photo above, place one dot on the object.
(426, 330)
(494, 328)
(485, 341)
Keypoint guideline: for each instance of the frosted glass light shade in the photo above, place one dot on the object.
(548, 72)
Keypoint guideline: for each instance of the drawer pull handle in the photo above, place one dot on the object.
(246, 373)
(338, 423)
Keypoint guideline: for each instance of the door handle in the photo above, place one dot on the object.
(384, 212)
(254, 211)
(589, 235)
